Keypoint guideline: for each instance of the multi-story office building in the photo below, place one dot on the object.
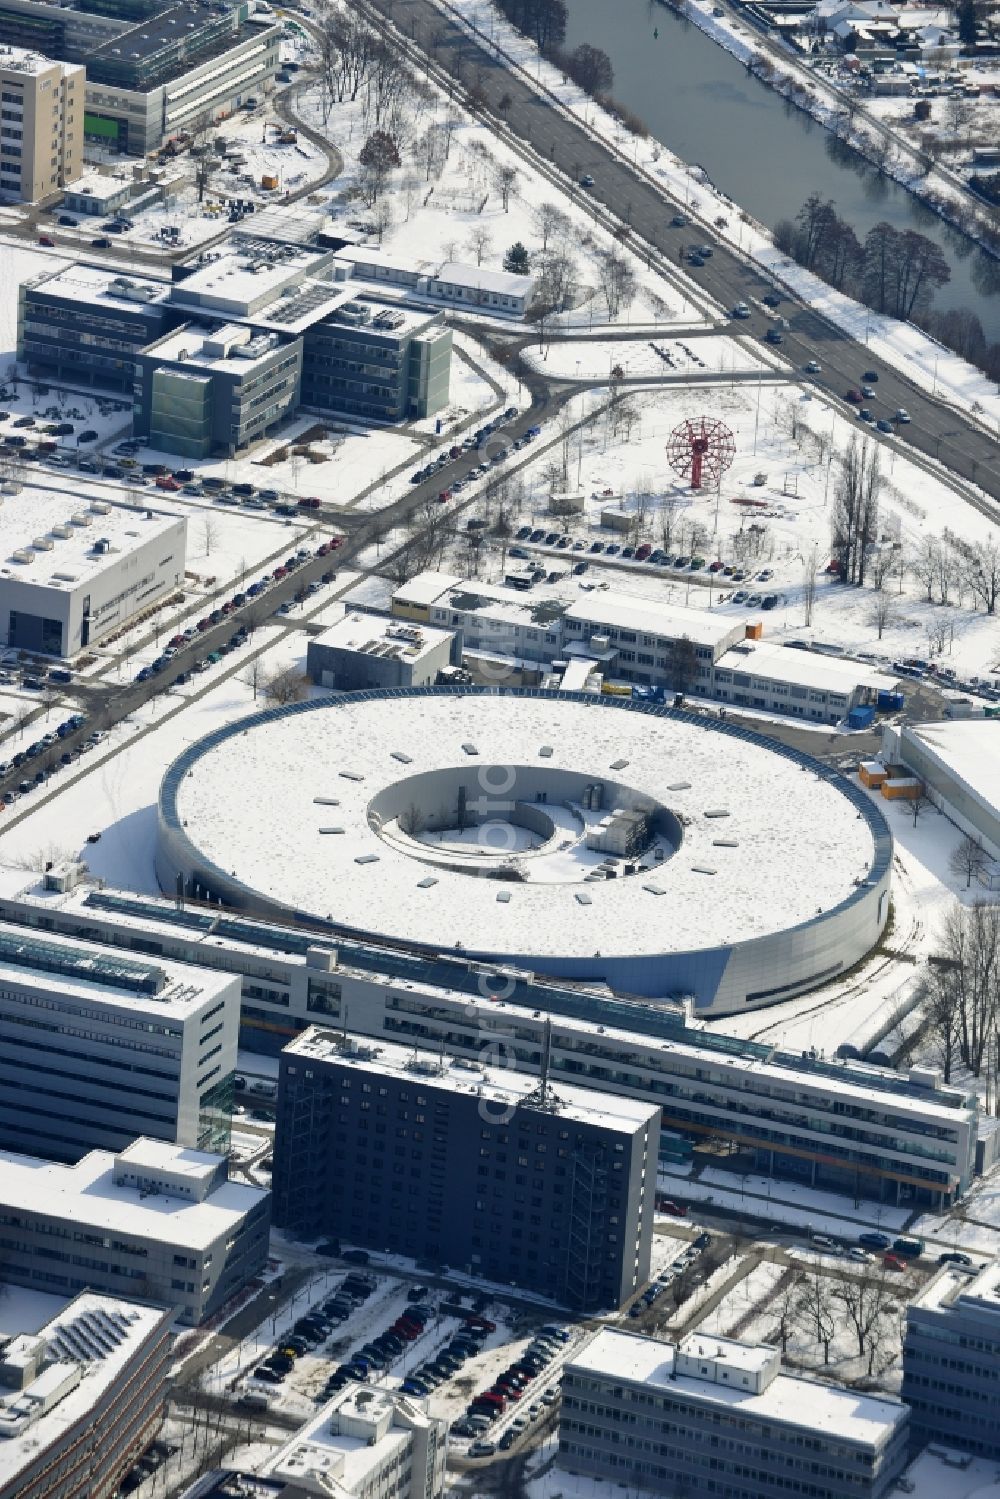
(41, 124)
(649, 643)
(151, 71)
(363, 1444)
(156, 1221)
(211, 389)
(842, 1125)
(82, 1398)
(376, 1143)
(366, 650)
(242, 340)
(96, 1048)
(85, 324)
(715, 1416)
(72, 576)
(385, 363)
(951, 1359)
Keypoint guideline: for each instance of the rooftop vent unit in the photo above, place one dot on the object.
(43, 543)
(22, 556)
(62, 533)
(102, 545)
(100, 507)
(79, 518)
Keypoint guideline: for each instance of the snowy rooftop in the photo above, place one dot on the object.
(803, 668)
(241, 279)
(85, 283)
(943, 1473)
(425, 589)
(84, 970)
(124, 1325)
(371, 634)
(205, 347)
(480, 278)
(56, 532)
(969, 748)
(359, 1430)
(649, 616)
(764, 846)
(88, 1195)
(464, 1075)
(18, 60)
(830, 1409)
(978, 1292)
(160, 1155)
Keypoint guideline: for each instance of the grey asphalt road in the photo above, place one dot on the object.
(935, 430)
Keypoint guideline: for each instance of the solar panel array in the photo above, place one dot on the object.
(93, 1335)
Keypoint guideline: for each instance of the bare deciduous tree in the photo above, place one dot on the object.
(968, 860)
(480, 242)
(284, 686)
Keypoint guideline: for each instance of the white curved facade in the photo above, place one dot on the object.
(449, 820)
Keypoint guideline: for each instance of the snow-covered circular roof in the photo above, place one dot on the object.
(458, 819)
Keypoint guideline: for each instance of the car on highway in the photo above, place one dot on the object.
(870, 377)
(679, 221)
(741, 310)
(893, 1261)
(586, 180)
(953, 1257)
(865, 415)
(853, 395)
(695, 259)
(822, 1241)
(902, 416)
(101, 242)
(813, 367)
(883, 425)
(773, 336)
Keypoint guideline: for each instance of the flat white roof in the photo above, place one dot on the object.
(764, 845)
(15, 60)
(345, 1461)
(187, 345)
(89, 971)
(968, 748)
(87, 1194)
(627, 611)
(831, 1409)
(426, 588)
(240, 278)
(84, 283)
(463, 1075)
(803, 668)
(178, 1160)
(372, 634)
(133, 1322)
(459, 273)
(946, 1473)
(34, 521)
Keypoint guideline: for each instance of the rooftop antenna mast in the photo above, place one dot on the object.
(546, 1058)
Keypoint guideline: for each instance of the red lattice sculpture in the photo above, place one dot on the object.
(701, 449)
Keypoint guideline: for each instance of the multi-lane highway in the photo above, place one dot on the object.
(936, 430)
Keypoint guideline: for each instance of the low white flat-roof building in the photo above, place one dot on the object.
(959, 764)
(366, 1444)
(72, 570)
(85, 1393)
(715, 1411)
(367, 650)
(162, 1222)
(453, 281)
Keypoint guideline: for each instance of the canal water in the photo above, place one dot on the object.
(767, 155)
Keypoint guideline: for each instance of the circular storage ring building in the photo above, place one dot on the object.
(582, 837)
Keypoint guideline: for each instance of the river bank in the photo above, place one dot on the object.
(765, 58)
(914, 353)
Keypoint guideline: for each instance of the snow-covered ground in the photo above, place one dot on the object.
(912, 352)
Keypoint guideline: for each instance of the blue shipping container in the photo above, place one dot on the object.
(861, 718)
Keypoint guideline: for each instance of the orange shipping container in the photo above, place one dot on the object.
(754, 631)
(268, 180)
(871, 773)
(902, 788)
